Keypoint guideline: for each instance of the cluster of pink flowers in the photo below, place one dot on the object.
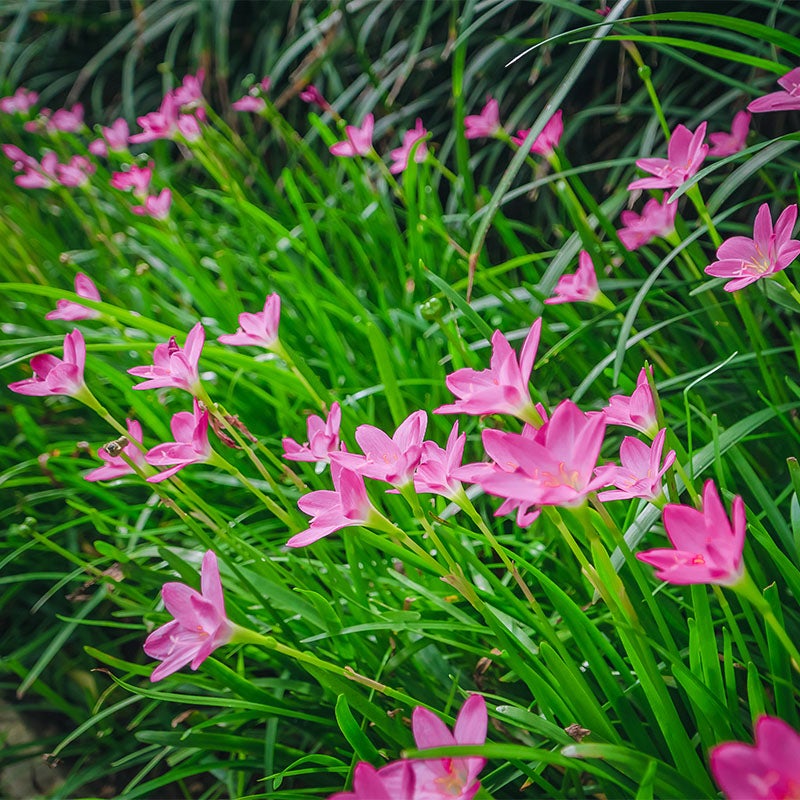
(178, 117)
(49, 171)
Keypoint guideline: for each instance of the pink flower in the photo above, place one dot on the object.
(487, 123)
(685, 155)
(641, 471)
(313, 95)
(657, 219)
(434, 474)
(20, 158)
(767, 770)
(98, 147)
(547, 141)
(707, 548)
(726, 144)
(136, 178)
(412, 140)
(259, 329)
(191, 445)
(18, 103)
(330, 511)
(189, 95)
(52, 375)
(200, 625)
(501, 389)
(67, 121)
(75, 172)
(68, 310)
(168, 122)
(249, 103)
(173, 365)
(117, 135)
(323, 438)
(637, 411)
(395, 781)
(115, 466)
(787, 100)
(580, 287)
(769, 251)
(359, 140)
(155, 206)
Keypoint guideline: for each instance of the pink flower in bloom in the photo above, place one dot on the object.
(641, 471)
(707, 547)
(189, 95)
(766, 770)
(400, 155)
(117, 135)
(685, 155)
(580, 287)
(18, 103)
(249, 103)
(20, 158)
(191, 445)
(323, 438)
(359, 140)
(68, 310)
(434, 474)
(501, 389)
(637, 411)
(52, 375)
(547, 141)
(155, 206)
(330, 511)
(786, 100)
(168, 122)
(657, 219)
(98, 147)
(136, 178)
(395, 781)
(769, 251)
(115, 466)
(259, 329)
(173, 365)
(75, 172)
(485, 124)
(66, 121)
(726, 144)
(200, 625)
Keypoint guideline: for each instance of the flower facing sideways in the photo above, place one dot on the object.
(547, 141)
(485, 124)
(359, 140)
(52, 375)
(580, 287)
(395, 781)
(156, 206)
(71, 311)
(191, 445)
(434, 475)
(685, 155)
(657, 219)
(323, 438)
(174, 365)
(726, 144)
(637, 411)
(115, 466)
(786, 100)
(259, 329)
(412, 140)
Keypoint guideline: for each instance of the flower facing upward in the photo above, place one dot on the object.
(359, 140)
(485, 124)
(52, 375)
(769, 251)
(786, 100)
(395, 781)
(657, 219)
(434, 475)
(260, 329)
(707, 546)
(547, 141)
(580, 287)
(685, 155)
(68, 310)
(191, 445)
(637, 411)
(18, 103)
(200, 625)
(156, 206)
(173, 365)
(136, 178)
(400, 155)
(323, 439)
(115, 466)
(726, 144)
(766, 770)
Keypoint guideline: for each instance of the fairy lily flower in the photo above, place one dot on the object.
(69, 310)
(547, 141)
(685, 155)
(580, 287)
(707, 546)
(75, 172)
(173, 365)
(115, 138)
(259, 329)
(657, 220)
(485, 124)
(66, 121)
(323, 438)
(115, 466)
(786, 100)
(200, 625)
(136, 178)
(412, 140)
(637, 411)
(249, 103)
(189, 95)
(155, 206)
(726, 144)
(501, 389)
(769, 251)
(18, 103)
(641, 471)
(52, 375)
(395, 781)
(191, 445)
(359, 140)
(434, 475)
(312, 95)
(769, 769)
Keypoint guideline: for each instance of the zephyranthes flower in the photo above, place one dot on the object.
(71, 311)
(685, 154)
(174, 365)
(191, 445)
(52, 375)
(786, 100)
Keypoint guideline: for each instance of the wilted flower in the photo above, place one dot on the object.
(71, 311)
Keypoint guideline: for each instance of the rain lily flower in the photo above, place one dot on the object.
(359, 140)
(200, 625)
(637, 411)
(395, 781)
(173, 365)
(249, 103)
(485, 124)
(657, 219)
(75, 172)
(136, 178)
(189, 95)
(501, 389)
(547, 141)
(66, 120)
(786, 100)
(115, 138)
(323, 438)
(20, 158)
(400, 155)
(168, 122)
(18, 103)
(707, 547)
(769, 251)
(580, 287)
(685, 155)
(726, 144)
(313, 95)
(191, 445)
(155, 206)
(641, 471)
(115, 466)
(52, 375)
(434, 475)
(259, 329)
(68, 310)
(766, 770)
